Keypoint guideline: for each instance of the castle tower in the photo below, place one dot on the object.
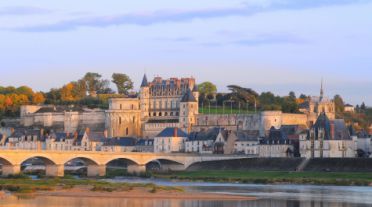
(145, 99)
(188, 111)
(195, 93)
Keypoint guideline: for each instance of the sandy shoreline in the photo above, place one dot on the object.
(141, 193)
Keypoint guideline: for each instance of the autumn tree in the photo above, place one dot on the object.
(123, 83)
(67, 92)
(38, 98)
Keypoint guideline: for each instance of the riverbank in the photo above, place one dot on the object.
(274, 177)
(64, 187)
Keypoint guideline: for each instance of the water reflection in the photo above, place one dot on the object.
(116, 202)
(267, 196)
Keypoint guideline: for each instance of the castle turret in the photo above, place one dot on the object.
(188, 111)
(195, 92)
(145, 99)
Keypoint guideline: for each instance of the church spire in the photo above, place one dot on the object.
(144, 81)
(321, 90)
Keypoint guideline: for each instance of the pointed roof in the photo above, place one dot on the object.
(196, 88)
(144, 81)
(188, 97)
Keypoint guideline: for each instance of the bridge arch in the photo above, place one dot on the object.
(46, 160)
(5, 161)
(164, 164)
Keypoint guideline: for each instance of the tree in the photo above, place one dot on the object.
(207, 88)
(292, 95)
(92, 81)
(303, 96)
(339, 104)
(363, 107)
(243, 96)
(25, 90)
(38, 98)
(122, 82)
(67, 92)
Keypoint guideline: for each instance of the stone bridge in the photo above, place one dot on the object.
(11, 160)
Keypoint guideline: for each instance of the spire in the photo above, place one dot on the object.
(321, 89)
(144, 81)
(188, 97)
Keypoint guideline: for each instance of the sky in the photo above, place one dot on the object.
(266, 45)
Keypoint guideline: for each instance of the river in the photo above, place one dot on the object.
(267, 196)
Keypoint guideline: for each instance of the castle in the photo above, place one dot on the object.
(166, 103)
(160, 104)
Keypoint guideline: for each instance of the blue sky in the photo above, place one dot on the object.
(276, 45)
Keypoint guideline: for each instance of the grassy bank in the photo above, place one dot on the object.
(262, 177)
(23, 184)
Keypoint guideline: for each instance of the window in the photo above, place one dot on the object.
(119, 120)
(121, 106)
(127, 131)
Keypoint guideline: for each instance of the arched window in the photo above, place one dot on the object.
(134, 119)
(119, 120)
(160, 114)
(127, 131)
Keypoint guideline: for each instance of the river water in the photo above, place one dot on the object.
(267, 196)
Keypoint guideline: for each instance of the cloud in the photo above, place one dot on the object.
(268, 39)
(22, 10)
(148, 18)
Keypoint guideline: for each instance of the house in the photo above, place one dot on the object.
(60, 141)
(171, 139)
(349, 108)
(144, 145)
(210, 141)
(202, 141)
(25, 139)
(91, 141)
(247, 142)
(276, 144)
(328, 139)
(119, 144)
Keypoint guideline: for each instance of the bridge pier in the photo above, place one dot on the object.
(172, 167)
(135, 169)
(96, 170)
(11, 170)
(55, 170)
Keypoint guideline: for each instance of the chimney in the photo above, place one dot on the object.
(332, 130)
(105, 133)
(175, 132)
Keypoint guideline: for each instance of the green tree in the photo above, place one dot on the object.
(122, 82)
(339, 104)
(292, 95)
(92, 81)
(207, 88)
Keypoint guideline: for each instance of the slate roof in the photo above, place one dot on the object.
(188, 97)
(96, 136)
(120, 141)
(142, 142)
(144, 81)
(247, 135)
(169, 132)
(210, 134)
(196, 88)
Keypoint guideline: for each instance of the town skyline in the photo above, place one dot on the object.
(269, 45)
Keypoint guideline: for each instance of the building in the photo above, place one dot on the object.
(202, 141)
(328, 139)
(144, 145)
(316, 105)
(170, 140)
(25, 139)
(247, 142)
(276, 144)
(119, 144)
(349, 108)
